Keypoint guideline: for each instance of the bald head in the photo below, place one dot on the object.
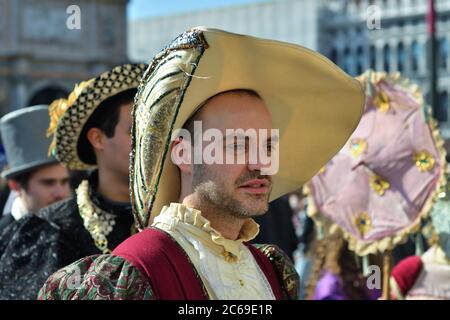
(231, 110)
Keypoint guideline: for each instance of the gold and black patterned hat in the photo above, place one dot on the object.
(68, 117)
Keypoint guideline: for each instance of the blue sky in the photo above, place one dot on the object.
(138, 9)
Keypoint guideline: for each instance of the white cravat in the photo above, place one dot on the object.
(8, 205)
(18, 209)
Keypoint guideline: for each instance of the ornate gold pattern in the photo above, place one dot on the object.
(57, 109)
(154, 116)
(98, 222)
(82, 103)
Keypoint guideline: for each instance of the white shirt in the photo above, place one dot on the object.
(18, 209)
(227, 267)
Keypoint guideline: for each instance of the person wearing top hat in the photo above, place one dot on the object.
(231, 94)
(38, 179)
(91, 131)
(6, 196)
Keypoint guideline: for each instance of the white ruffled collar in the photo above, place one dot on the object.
(192, 221)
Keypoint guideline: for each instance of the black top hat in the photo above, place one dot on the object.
(24, 138)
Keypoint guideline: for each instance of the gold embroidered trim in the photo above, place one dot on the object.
(57, 109)
(98, 222)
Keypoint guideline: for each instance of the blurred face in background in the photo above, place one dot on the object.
(116, 149)
(44, 186)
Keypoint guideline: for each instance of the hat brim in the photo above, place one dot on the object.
(71, 124)
(314, 103)
(15, 172)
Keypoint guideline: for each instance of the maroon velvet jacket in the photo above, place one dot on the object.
(158, 256)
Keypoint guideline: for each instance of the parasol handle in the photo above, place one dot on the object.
(387, 266)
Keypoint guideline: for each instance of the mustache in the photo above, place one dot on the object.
(252, 175)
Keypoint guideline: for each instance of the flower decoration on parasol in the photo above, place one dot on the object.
(384, 180)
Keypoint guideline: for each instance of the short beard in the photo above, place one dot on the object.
(210, 196)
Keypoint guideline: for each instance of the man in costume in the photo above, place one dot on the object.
(195, 215)
(427, 276)
(91, 130)
(38, 179)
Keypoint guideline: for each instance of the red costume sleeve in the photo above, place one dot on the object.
(166, 265)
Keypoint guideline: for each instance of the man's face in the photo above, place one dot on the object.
(117, 148)
(46, 185)
(239, 189)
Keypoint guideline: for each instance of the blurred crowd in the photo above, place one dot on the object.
(373, 223)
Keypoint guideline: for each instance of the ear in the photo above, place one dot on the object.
(96, 137)
(180, 152)
(14, 185)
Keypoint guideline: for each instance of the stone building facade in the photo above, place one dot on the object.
(344, 30)
(41, 57)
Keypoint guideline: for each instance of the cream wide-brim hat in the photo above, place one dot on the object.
(313, 102)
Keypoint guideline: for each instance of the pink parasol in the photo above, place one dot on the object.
(384, 180)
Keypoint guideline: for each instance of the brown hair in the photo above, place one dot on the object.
(332, 254)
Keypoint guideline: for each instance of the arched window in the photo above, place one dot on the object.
(400, 57)
(415, 55)
(443, 53)
(347, 61)
(333, 55)
(387, 57)
(442, 110)
(372, 57)
(359, 60)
